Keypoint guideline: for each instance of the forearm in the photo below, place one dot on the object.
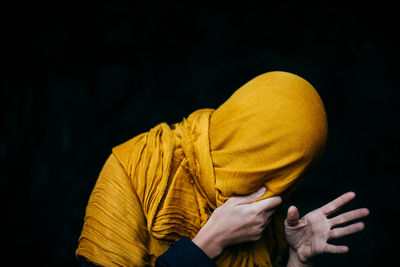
(294, 260)
(209, 241)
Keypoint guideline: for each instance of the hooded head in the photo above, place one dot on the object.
(270, 132)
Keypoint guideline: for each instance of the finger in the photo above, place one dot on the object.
(267, 221)
(349, 216)
(333, 249)
(336, 204)
(267, 204)
(269, 213)
(253, 196)
(268, 216)
(344, 231)
(293, 215)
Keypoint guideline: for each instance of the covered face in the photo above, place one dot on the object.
(163, 184)
(270, 132)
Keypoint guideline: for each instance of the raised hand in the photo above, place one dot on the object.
(309, 236)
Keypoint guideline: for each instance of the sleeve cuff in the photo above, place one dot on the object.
(184, 253)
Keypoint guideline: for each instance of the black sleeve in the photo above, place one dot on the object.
(86, 263)
(183, 253)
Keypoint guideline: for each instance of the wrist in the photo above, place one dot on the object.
(209, 242)
(294, 260)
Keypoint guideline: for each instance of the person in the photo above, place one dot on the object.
(183, 193)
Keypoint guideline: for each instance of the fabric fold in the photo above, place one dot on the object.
(165, 183)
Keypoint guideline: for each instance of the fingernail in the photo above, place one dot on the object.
(366, 211)
(262, 190)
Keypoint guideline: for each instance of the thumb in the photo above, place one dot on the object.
(253, 196)
(293, 215)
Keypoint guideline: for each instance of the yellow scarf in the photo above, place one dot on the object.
(164, 184)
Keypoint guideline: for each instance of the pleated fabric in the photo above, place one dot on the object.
(164, 184)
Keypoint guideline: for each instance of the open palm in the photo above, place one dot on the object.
(309, 235)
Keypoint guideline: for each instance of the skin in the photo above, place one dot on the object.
(242, 219)
(238, 220)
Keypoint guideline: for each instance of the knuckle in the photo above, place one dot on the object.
(259, 220)
(255, 237)
(255, 209)
(332, 206)
(258, 231)
(333, 234)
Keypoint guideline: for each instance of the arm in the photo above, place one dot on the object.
(114, 229)
(309, 236)
(238, 220)
(109, 206)
(184, 253)
(86, 263)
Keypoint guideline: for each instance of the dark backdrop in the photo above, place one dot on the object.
(79, 79)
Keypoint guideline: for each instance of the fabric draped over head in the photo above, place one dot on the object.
(269, 132)
(164, 184)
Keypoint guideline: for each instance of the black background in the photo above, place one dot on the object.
(79, 79)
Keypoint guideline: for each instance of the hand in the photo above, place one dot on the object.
(308, 236)
(238, 220)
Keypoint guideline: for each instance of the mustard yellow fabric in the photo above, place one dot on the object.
(164, 184)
